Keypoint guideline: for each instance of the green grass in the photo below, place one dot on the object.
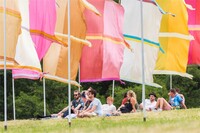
(177, 121)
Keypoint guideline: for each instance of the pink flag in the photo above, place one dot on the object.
(103, 61)
(42, 24)
(39, 19)
(194, 28)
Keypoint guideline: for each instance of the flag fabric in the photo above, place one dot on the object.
(26, 54)
(55, 63)
(42, 24)
(132, 65)
(103, 60)
(194, 28)
(174, 38)
(13, 29)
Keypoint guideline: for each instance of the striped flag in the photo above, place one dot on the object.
(132, 65)
(13, 29)
(194, 28)
(103, 60)
(174, 39)
(42, 24)
(56, 60)
(26, 54)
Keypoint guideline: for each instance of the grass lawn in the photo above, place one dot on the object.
(177, 121)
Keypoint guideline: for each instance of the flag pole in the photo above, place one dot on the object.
(170, 81)
(44, 93)
(143, 67)
(13, 89)
(5, 76)
(79, 77)
(113, 89)
(69, 64)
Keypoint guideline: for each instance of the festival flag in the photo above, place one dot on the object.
(56, 60)
(194, 28)
(26, 54)
(174, 39)
(42, 24)
(132, 65)
(103, 60)
(13, 29)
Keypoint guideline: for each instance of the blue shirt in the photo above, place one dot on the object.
(176, 101)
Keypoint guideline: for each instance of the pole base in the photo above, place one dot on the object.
(144, 119)
(70, 124)
(5, 127)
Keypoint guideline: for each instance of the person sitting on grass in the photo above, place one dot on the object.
(129, 106)
(76, 105)
(86, 101)
(175, 102)
(124, 100)
(108, 109)
(150, 104)
(181, 95)
(95, 107)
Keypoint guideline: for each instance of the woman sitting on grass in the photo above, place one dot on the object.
(129, 106)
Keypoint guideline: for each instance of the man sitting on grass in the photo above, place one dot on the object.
(150, 104)
(95, 107)
(76, 105)
(175, 102)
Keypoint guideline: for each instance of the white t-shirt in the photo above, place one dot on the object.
(149, 104)
(96, 102)
(108, 109)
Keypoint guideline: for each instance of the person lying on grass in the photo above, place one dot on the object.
(95, 107)
(174, 103)
(129, 106)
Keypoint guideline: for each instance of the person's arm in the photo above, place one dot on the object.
(183, 104)
(182, 96)
(78, 107)
(114, 109)
(92, 109)
(65, 109)
(133, 102)
(86, 110)
(120, 107)
(141, 106)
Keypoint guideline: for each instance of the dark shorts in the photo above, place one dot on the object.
(66, 113)
(125, 110)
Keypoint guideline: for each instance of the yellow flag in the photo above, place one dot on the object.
(174, 38)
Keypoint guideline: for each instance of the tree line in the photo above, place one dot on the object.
(29, 93)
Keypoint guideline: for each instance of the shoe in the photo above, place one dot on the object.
(157, 110)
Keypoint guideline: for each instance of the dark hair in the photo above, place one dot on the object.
(173, 91)
(152, 93)
(177, 90)
(83, 94)
(93, 91)
(78, 92)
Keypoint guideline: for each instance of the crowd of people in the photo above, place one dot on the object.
(86, 104)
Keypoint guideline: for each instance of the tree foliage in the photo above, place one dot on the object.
(29, 93)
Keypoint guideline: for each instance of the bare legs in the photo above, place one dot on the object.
(163, 104)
